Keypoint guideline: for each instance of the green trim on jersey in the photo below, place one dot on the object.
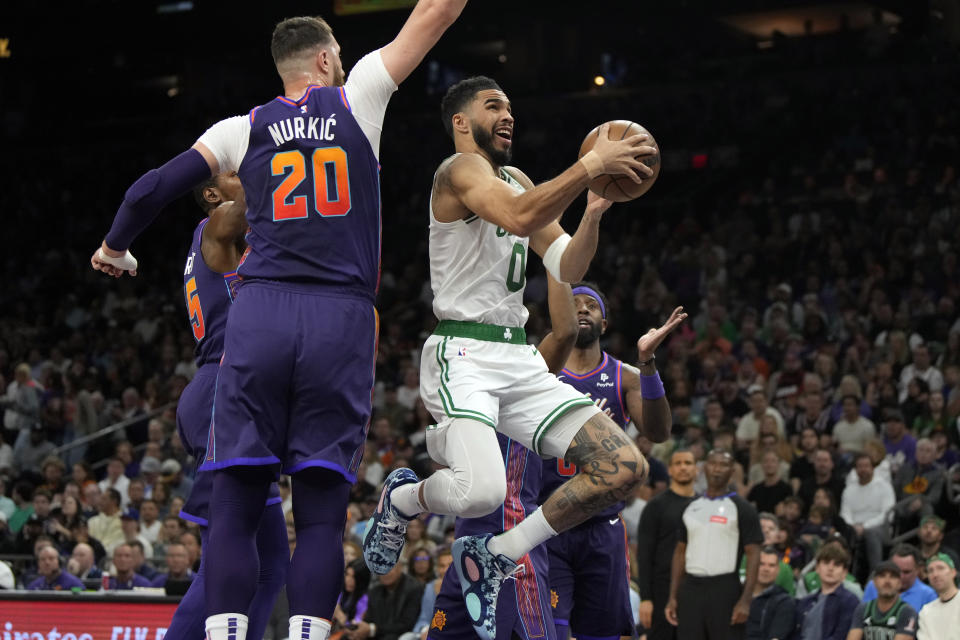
(558, 412)
(446, 398)
(480, 331)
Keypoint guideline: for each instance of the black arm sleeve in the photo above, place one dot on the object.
(647, 547)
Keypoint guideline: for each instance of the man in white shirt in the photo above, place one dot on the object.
(852, 430)
(939, 619)
(150, 524)
(116, 480)
(748, 427)
(920, 368)
(865, 505)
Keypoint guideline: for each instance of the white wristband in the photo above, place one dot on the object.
(125, 262)
(551, 259)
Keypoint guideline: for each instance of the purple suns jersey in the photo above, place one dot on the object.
(311, 176)
(208, 295)
(603, 385)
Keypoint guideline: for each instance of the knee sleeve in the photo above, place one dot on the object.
(475, 482)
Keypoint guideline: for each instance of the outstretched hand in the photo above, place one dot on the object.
(113, 263)
(648, 343)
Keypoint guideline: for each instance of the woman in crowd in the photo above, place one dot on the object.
(353, 598)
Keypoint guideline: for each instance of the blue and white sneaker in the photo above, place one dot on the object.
(384, 536)
(481, 575)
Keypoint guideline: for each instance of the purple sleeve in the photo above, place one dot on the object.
(361, 609)
(153, 191)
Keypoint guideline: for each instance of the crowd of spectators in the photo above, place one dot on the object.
(820, 273)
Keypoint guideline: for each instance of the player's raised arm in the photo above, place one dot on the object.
(427, 22)
(557, 345)
(570, 257)
(473, 182)
(141, 204)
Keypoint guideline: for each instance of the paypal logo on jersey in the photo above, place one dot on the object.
(603, 381)
(189, 268)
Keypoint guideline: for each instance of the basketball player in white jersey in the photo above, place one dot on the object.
(478, 375)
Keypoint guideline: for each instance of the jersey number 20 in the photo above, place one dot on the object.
(327, 171)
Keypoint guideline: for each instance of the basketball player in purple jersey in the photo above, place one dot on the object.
(294, 386)
(208, 278)
(589, 564)
(524, 607)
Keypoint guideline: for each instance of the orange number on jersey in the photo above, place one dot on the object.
(283, 210)
(565, 468)
(322, 158)
(327, 202)
(194, 310)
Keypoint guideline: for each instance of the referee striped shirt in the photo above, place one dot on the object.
(715, 531)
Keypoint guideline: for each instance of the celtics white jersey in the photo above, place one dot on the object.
(478, 270)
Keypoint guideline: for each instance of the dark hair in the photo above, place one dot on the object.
(797, 500)
(209, 183)
(43, 492)
(903, 550)
(361, 581)
(114, 496)
(850, 396)
(862, 454)
(460, 95)
(135, 543)
(295, 35)
(770, 550)
(593, 285)
(888, 567)
(833, 553)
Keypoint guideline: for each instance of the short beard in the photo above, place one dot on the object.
(586, 336)
(484, 140)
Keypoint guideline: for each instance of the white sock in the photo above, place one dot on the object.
(406, 498)
(514, 543)
(308, 628)
(227, 626)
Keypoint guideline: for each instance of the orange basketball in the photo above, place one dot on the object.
(620, 188)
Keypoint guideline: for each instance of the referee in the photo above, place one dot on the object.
(707, 601)
(656, 540)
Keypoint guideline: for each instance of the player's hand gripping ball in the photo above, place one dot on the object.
(620, 188)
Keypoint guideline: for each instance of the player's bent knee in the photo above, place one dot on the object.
(484, 495)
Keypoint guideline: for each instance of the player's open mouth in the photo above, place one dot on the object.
(504, 133)
(585, 323)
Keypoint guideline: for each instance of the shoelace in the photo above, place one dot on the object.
(393, 531)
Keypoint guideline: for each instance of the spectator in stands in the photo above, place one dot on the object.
(170, 532)
(812, 415)
(353, 599)
(946, 455)
(772, 610)
(178, 567)
(7, 506)
(886, 616)
(161, 496)
(23, 501)
(52, 469)
(931, 539)
(748, 427)
(82, 562)
(826, 613)
(157, 434)
(772, 489)
(125, 578)
(934, 417)
(90, 499)
(21, 406)
(769, 440)
(865, 506)
(172, 475)
(36, 449)
(393, 606)
(6, 538)
(824, 477)
(82, 473)
(150, 524)
(124, 451)
(802, 466)
(775, 537)
(150, 471)
(938, 619)
(64, 519)
(881, 462)
(106, 526)
(920, 368)
(919, 484)
(116, 480)
(52, 577)
(430, 591)
(130, 523)
(81, 534)
(136, 492)
(420, 564)
(901, 446)
(913, 591)
(852, 431)
(191, 541)
(849, 386)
